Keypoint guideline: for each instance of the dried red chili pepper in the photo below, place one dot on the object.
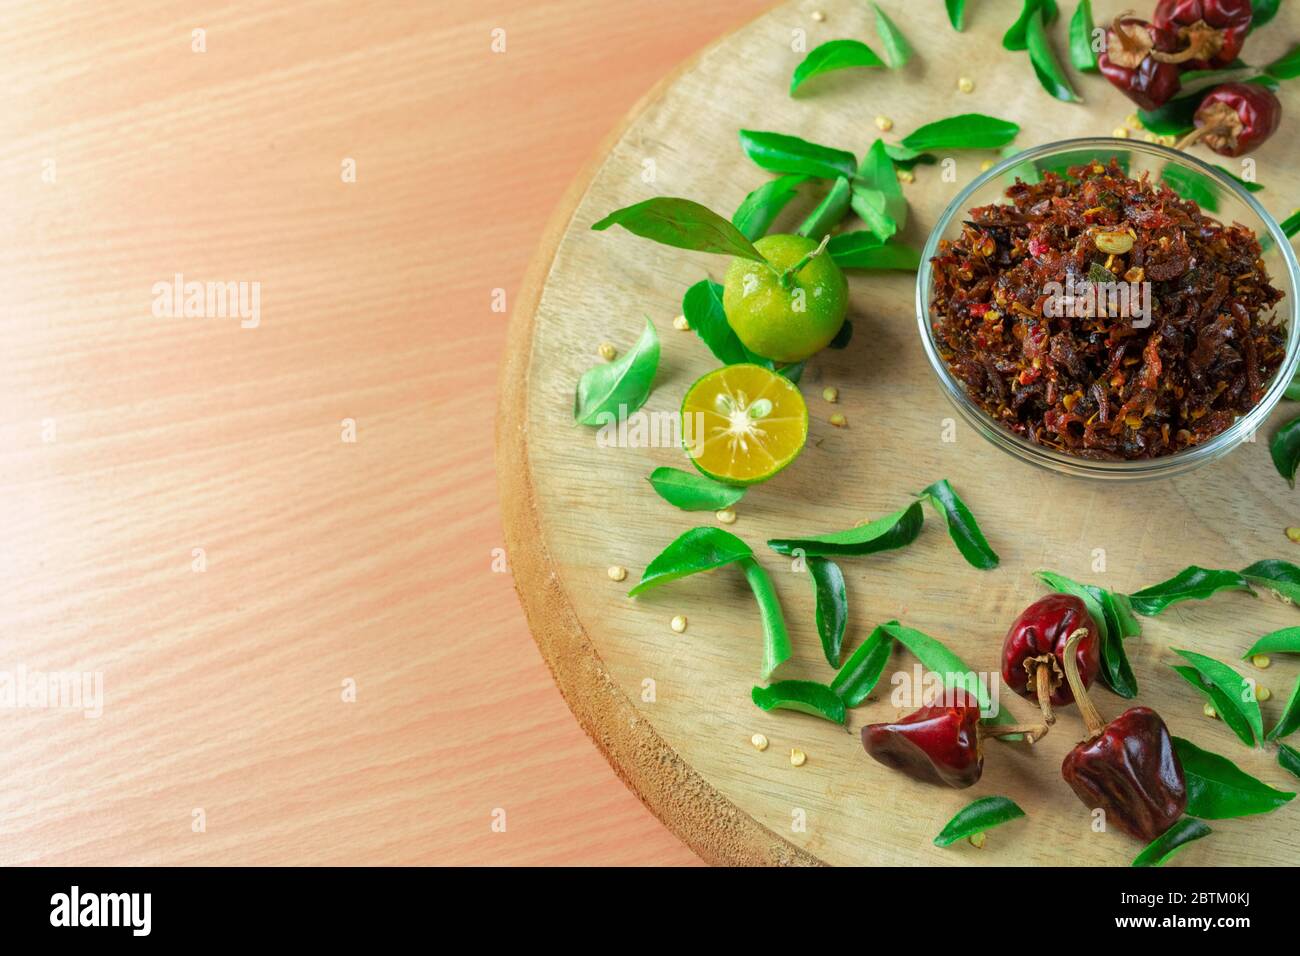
(1128, 767)
(1034, 649)
(1216, 28)
(939, 744)
(1235, 118)
(1132, 61)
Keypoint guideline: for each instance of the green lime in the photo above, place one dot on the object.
(785, 316)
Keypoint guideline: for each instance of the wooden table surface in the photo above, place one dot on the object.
(185, 516)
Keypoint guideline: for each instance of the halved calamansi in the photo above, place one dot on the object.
(741, 424)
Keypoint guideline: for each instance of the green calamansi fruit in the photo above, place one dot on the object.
(781, 312)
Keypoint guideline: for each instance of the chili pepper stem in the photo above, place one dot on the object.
(1203, 42)
(1043, 686)
(1192, 138)
(1223, 128)
(1131, 52)
(787, 277)
(1033, 732)
(1091, 716)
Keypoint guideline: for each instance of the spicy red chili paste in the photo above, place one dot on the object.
(1028, 311)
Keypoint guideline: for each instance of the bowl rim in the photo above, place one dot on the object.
(1241, 430)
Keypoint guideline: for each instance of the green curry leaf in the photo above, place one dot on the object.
(829, 212)
(877, 195)
(1082, 56)
(612, 389)
(1289, 722)
(804, 696)
(1220, 701)
(832, 613)
(1016, 38)
(956, 13)
(682, 223)
(1051, 75)
(693, 492)
(1173, 118)
(962, 527)
(1217, 789)
(757, 211)
(833, 55)
(1283, 641)
(1262, 11)
(1237, 693)
(964, 131)
(779, 153)
(866, 250)
(702, 307)
(1280, 577)
(935, 657)
(1190, 584)
(776, 639)
(1183, 832)
(1289, 759)
(976, 817)
(861, 672)
(1115, 622)
(1191, 184)
(1285, 67)
(1293, 389)
(897, 50)
(884, 534)
(696, 550)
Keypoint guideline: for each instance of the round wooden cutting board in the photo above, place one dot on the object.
(672, 712)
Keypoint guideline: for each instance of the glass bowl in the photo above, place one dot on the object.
(1229, 202)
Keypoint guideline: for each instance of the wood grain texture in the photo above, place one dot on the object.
(325, 560)
(573, 507)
